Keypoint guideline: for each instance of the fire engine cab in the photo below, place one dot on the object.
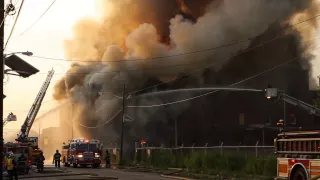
(82, 152)
(298, 155)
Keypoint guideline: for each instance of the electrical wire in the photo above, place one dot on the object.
(106, 122)
(196, 97)
(10, 8)
(178, 54)
(201, 68)
(38, 18)
(14, 25)
(139, 69)
(207, 66)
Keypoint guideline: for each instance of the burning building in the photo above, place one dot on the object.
(145, 43)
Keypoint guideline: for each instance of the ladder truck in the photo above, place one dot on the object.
(298, 152)
(23, 136)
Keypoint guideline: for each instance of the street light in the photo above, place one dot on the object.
(18, 65)
(102, 93)
(26, 53)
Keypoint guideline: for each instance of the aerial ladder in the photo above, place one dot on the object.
(11, 117)
(272, 93)
(25, 128)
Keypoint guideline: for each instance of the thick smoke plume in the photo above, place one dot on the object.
(141, 29)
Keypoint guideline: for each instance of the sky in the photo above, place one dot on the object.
(44, 39)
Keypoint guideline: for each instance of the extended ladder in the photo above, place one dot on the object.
(25, 128)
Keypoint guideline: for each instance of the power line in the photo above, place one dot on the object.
(14, 25)
(178, 54)
(38, 18)
(207, 66)
(195, 97)
(139, 69)
(106, 122)
(10, 8)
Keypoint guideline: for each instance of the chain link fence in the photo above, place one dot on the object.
(257, 151)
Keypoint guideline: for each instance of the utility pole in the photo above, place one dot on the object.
(122, 121)
(72, 121)
(2, 76)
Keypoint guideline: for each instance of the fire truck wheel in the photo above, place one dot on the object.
(299, 174)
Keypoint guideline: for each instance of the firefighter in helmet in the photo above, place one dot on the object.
(11, 167)
(107, 159)
(56, 159)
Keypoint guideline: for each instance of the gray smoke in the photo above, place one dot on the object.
(138, 29)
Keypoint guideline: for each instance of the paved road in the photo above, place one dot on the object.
(120, 174)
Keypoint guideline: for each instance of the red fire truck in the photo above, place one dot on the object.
(17, 149)
(82, 152)
(298, 152)
(298, 155)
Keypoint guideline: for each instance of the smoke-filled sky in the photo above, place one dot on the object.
(141, 29)
(138, 29)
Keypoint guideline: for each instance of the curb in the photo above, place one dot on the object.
(172, 173)
(57, 175)
(175, 177)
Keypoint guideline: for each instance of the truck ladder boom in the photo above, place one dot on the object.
(25, 129)
(296, 102)
(5, 122)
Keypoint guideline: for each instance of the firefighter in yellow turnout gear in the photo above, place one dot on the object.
(56, 159)
(11, 167)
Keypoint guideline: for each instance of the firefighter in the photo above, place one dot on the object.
(11, 167)
(107, 159)
(22, 157)
(40, 162)
(56, 159)
(22, 163)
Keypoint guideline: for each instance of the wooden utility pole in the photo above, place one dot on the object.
(122, 121)
(72, 121)
(2, 76)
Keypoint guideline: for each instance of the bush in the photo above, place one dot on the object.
(211, 162)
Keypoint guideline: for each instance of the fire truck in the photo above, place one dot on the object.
(23, 138)
(82, 152)
(17, 149)
(298, 152)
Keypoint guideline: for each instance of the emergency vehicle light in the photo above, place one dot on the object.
(86, 141)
